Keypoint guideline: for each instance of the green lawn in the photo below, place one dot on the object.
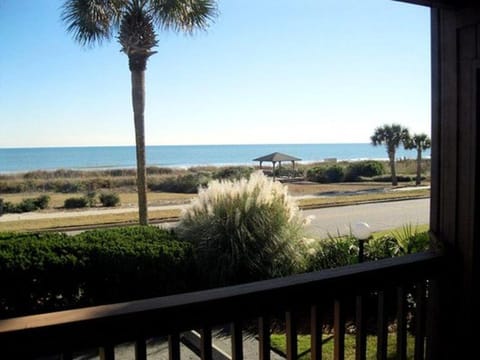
(279, 344)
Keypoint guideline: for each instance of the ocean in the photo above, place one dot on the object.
(14, 160)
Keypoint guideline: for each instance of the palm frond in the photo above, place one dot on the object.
(137, 33)
(92, 21)
(184, 15)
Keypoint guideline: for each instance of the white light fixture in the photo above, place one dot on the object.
(361, 231)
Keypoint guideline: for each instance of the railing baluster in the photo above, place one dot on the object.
(291, 333)
(107, 352)
(401, 324)
(264, 337)
(382, 327)
(316, 325)
(420, 321)
(361, 331)
(141, 349)
(174, 346)
(237, 341)
(206, 344)
(339, 330)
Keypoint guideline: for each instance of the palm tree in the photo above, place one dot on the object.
(135, 22)
(420, 142)
(391, 136)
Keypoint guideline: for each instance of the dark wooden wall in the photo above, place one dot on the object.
(455, 175)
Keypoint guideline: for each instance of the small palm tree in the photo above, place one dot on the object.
(135, 22)
(419, 142)
(391, 136)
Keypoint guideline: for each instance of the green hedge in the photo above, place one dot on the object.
(326, 174)
(343, 250)
(109, 199)
(47, 272)
(26, 205)
(75, 202)
(187, 184)
(400, 178)
(367, 168)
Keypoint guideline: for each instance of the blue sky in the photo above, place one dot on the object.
(267, 71)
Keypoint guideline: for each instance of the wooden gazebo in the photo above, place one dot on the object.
(277, 157)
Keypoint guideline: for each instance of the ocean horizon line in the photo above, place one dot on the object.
(19, 160)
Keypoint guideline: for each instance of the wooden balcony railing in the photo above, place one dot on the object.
(67, 332)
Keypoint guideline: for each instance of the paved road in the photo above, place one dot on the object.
(380, 216)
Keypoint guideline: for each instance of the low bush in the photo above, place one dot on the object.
(26, 205)
(343, 250)
(188, 183)
(155, 170)
(75, 203)
(288, 172)
(325, 174)
(368, 168)
(388, 178)
(233, 173)
(12, 187)
(243, 230)
(109, 199)
(333, 252)
(91, 197)
(65, 186)
(53, 271)
(42, 201)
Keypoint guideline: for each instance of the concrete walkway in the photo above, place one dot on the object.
(158, 349)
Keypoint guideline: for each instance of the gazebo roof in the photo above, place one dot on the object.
(276, 156)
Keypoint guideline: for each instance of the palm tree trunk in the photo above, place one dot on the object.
(138, 101)
(418, 181)
(391, 157)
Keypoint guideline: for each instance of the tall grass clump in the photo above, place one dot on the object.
(243, 230)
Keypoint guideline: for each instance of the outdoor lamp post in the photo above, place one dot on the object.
(362, 232)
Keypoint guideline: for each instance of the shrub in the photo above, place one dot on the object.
(155, 170)
(42, 201)
(75, 203)
(325, 174)
(91, 198)
(109, 199)
(405, 241)
(333, 252)
(388, 178)
(1, 206)
(26, 205)
(234, 172)
(368, 168)
(12, 187)
(409, 240)
(188, 184)
(65, 186)
(52, 271)
(243, 230)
